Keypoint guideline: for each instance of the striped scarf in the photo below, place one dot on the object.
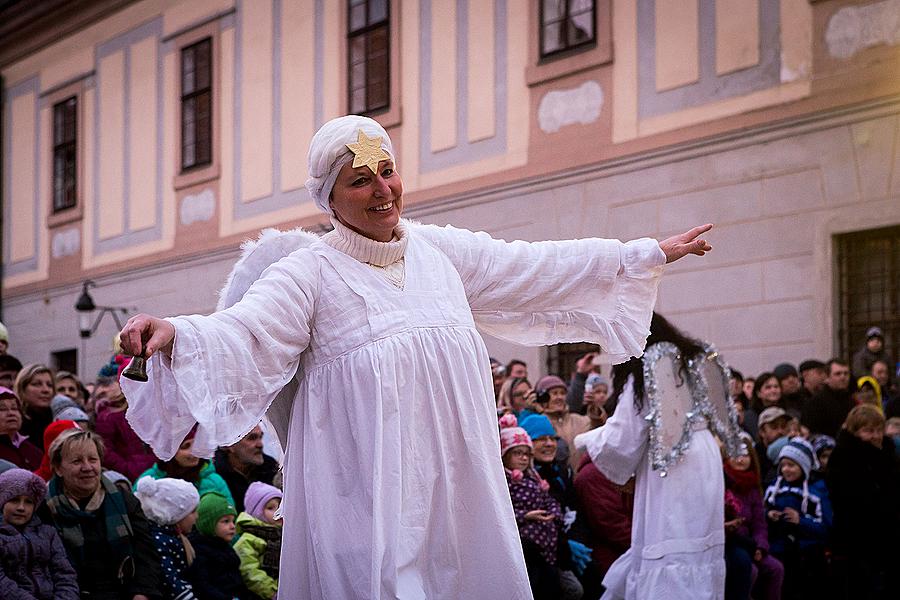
(108, 504)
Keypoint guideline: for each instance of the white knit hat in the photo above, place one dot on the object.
(167, 501)
(328, 152)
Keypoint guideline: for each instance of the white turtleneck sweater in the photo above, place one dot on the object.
(385, 257)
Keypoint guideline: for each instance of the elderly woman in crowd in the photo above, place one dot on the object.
(15, 447)
(392, 474)
(106, 535)
(35, 387)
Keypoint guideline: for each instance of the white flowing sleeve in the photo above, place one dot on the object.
(539, 293)
(227, 368)
(618, 447)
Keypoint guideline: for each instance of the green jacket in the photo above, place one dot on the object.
(252, 551)
(209, 480)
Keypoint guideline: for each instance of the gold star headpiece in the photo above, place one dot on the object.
(367, 151)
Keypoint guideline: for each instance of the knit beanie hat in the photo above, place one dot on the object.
(537, 426)
(785, 370)
(167, 501)
(19, 482)
(801, 452)
(257, 496)
(774, 449)
(511, 435)
(64, 408)
(595, 379)
(549, 382)
(52, 432)
(116, 477)
(823, 442)
(213, 506)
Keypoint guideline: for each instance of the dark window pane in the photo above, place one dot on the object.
(377, 95)
(378, 42)
(357, 49)
(357, 17)
(552, 41)
(203, 64)
(65, 133)
(187, 71)
(553, 10)
(368, 56)
(58, 118)
(358, 101)
(567, 24)
(581, 29)
(358, 76)
(196, 104)
(377, 11)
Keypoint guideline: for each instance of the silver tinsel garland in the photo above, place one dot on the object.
(709, 403)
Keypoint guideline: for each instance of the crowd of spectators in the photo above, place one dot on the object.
(88, 511)
(812, 510)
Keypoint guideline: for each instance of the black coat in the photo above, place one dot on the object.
(237, 483)
(215, 573)
(864, 486)
(826, 411)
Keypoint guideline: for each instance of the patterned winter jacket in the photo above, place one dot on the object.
(529, 492)
(33, 564)
(173, 561)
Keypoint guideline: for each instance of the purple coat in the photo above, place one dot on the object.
(34, 564)
(125, 451)
(753, 512)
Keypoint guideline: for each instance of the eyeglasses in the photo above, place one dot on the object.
(520, 452)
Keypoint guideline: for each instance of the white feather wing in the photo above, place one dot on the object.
(271, 246)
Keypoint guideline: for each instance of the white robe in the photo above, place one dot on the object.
(394, 486)
(677, 532)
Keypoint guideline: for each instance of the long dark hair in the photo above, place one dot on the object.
(660, 331)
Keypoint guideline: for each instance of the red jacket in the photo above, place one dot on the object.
(125, 451)
(26, 456)
(608, 511)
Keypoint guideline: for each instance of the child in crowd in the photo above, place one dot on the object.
(33, 561)
(799, 516)
(864, 485)
(824, 446)
(538, 514)
(773, 436)
(746, 530)
(171, 507)
(259, 544)
(892, 430)
(215, 573)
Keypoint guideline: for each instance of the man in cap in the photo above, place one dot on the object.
(791, 395)
(812, 374)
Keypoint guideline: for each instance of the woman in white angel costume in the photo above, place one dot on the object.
(671, 404)
(363, 347)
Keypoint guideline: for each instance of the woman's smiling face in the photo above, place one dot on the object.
(369, 203)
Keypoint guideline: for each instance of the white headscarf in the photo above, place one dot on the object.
(328, 152)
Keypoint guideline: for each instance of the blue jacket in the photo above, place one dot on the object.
(173, 561)
(815, 514)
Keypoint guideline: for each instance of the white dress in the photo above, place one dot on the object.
(394, 486)
(677, 533)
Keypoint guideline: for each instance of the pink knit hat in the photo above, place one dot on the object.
(511, 435)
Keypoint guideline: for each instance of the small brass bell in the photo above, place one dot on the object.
(136, 369)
